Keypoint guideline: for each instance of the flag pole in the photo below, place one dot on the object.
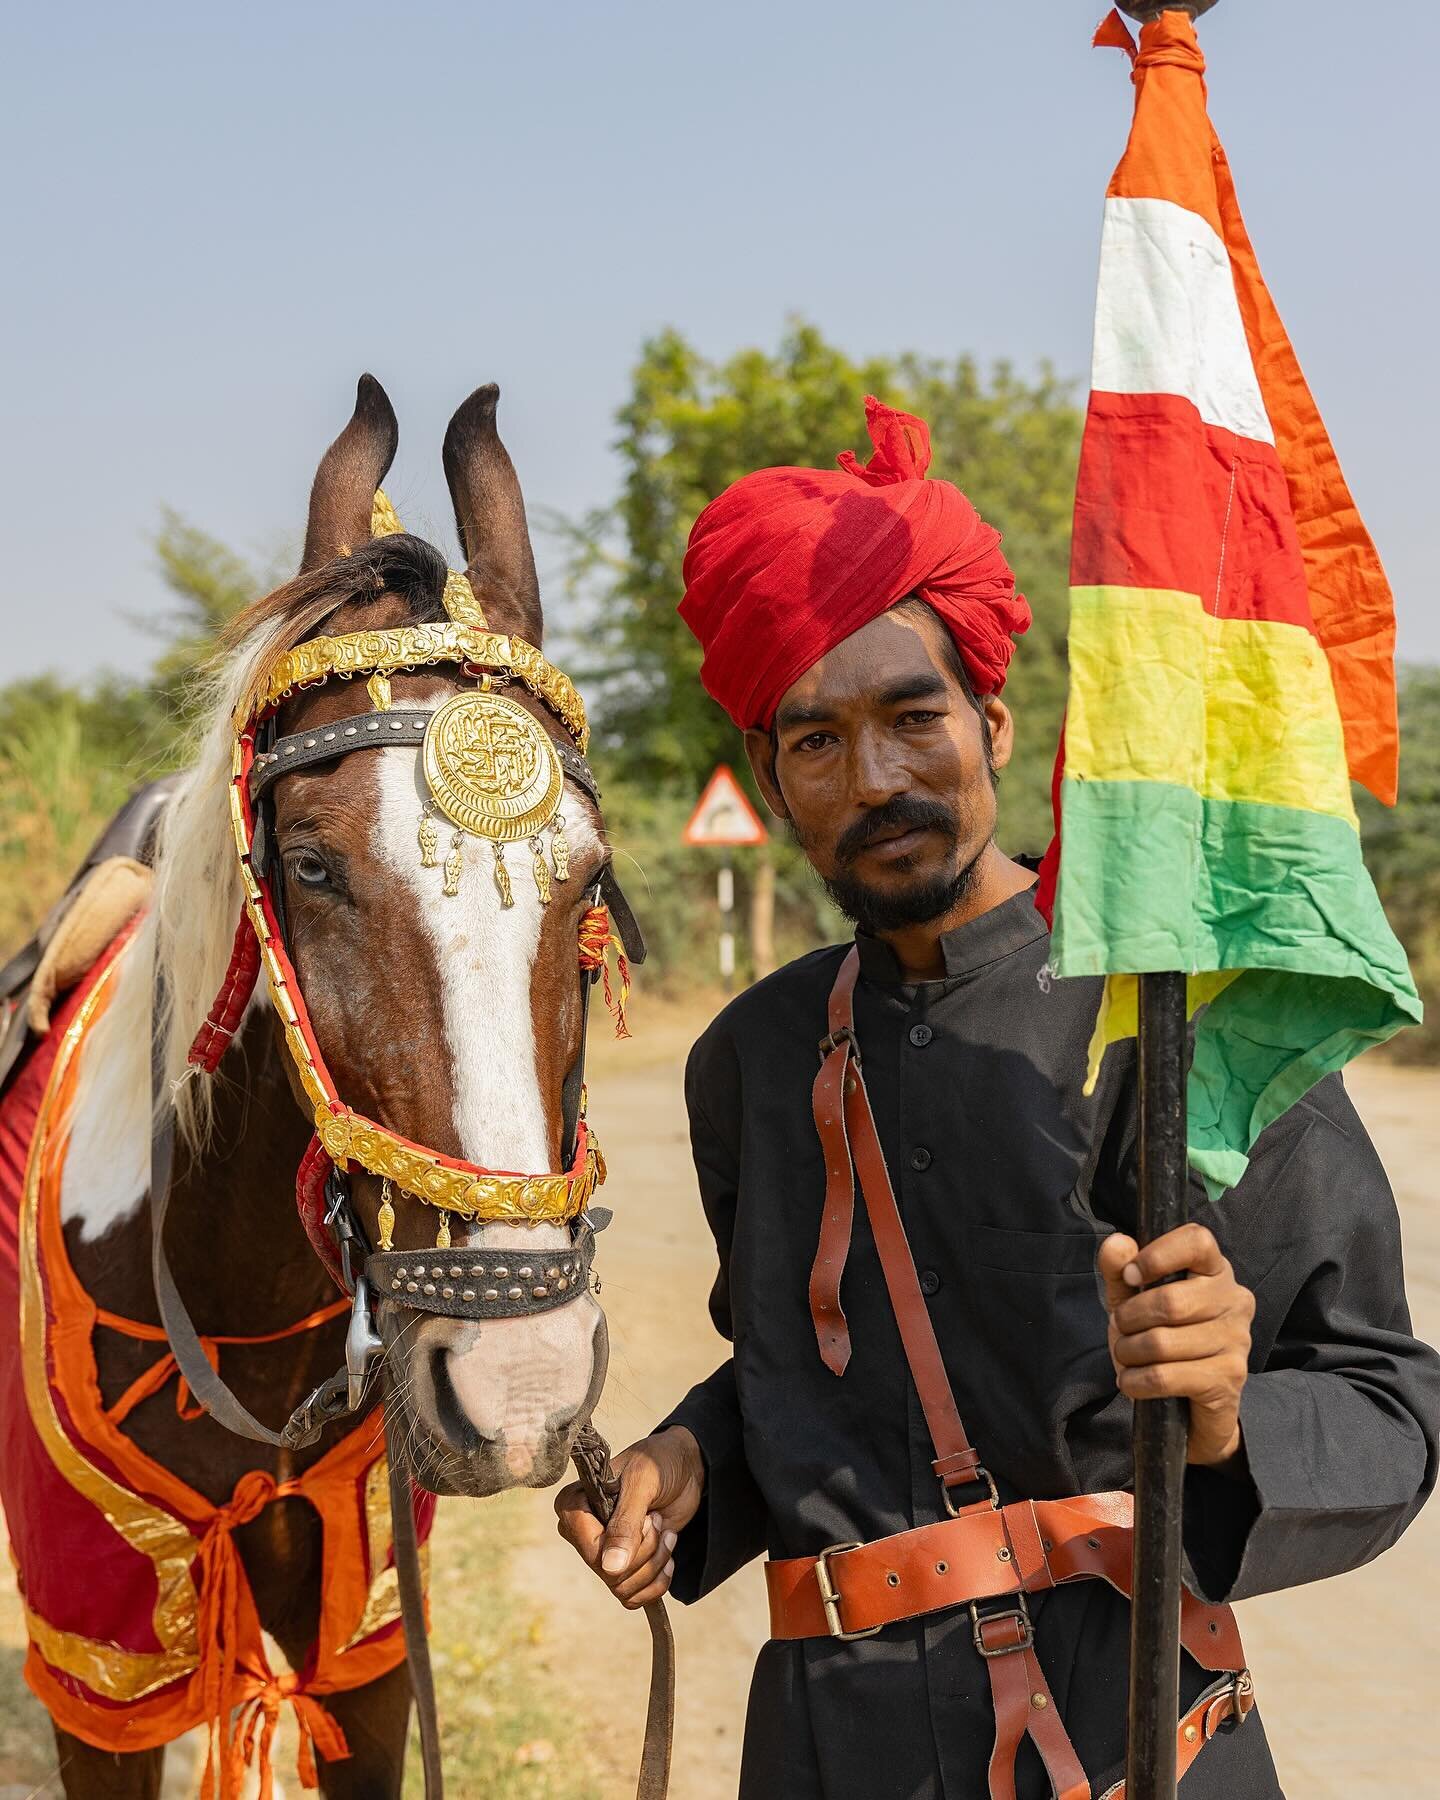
(1161, 1426)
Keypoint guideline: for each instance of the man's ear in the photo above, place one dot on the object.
(1002, 730)
(760, 749)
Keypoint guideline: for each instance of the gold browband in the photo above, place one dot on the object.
(413, 647)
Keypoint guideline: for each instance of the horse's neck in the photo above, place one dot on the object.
(235, 1242)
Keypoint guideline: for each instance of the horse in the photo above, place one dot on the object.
(448, 1015)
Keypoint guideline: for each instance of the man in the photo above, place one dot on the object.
(857, 626)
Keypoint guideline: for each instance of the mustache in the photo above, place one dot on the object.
(904, 812)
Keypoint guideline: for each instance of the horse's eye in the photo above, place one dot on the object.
(308, 870)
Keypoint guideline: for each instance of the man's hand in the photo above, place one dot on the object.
(1189, 1338)
(661, 1481)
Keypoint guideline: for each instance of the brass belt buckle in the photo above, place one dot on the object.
(979, 1620)
(830, 1598)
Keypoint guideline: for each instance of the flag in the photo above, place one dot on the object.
(1231, 654)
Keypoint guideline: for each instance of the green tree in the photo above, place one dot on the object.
(690, 427)
(1402, 848)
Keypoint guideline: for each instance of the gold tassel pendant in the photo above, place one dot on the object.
(453, 865)
(442, 1234)
(387, 1217)
(542, 870)
(502, 874)
(560, 848)
(429, 836)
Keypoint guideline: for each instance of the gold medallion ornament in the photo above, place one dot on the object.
(491, 767)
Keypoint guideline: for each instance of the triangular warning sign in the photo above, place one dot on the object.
(724, 815)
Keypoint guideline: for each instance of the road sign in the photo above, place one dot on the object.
(724, 815)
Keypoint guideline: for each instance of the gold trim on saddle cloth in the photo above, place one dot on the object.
(382, 1604)
(106, 1669)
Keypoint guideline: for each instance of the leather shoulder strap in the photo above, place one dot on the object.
(849, 1137)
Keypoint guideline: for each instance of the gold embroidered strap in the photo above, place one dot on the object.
(478, 1194)
(412, 647)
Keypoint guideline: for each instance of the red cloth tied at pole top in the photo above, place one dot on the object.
(787, 563)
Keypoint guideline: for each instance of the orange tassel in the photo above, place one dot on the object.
(596, 937)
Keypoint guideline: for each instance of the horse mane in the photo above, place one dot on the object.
(196, 901)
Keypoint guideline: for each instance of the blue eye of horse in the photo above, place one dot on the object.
(309, 871)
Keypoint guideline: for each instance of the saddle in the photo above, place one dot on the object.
(104, 894)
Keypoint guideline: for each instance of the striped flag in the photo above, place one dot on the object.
(1231, 654)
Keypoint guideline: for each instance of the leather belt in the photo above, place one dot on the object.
(853, 1590)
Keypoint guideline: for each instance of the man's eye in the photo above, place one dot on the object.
(919, 718)
(309, 871)
(817, 740)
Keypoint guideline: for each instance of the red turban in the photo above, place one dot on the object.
(787, 563)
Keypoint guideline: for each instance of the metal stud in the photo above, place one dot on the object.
(513, 1294)
(539, 1293)
(309, 743)
(329, 737)
(403, 1273)
(429, 1287)
(350, 730)
(372, 726)
(467, 1293)
(552, 1272)
(456, 1272)
(447, 1293)
(1039, 1701)
(412, 1287)
(437, 1273)
(526, 1273)
(562, 1284)
(501, 1272)
(1191, 1733)
(395, 1283)
(1002, 1555)
(491, 1294)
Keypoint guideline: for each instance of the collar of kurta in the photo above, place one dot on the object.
(994, 935)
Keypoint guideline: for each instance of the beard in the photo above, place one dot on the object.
(901, 903)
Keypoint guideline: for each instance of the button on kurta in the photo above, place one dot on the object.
(929, 1282)
(920, 1036)
(920, 1158)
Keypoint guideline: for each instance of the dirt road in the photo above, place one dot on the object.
(1345, 1670)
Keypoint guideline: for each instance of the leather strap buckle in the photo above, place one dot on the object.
(830, 1597)
(982, 1474)
(1025, 1628)
(832, 1041)
(1231, 1707)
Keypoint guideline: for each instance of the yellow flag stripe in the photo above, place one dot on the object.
(1235, 709)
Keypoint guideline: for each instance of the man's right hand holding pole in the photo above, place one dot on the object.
(662, 1479)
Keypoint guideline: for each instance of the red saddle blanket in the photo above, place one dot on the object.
(140, 1618)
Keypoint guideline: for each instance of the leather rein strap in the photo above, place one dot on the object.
(591, 1455)
(983, 1555)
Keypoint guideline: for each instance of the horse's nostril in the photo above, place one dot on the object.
(459, 1430)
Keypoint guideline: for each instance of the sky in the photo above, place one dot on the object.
(218, 216)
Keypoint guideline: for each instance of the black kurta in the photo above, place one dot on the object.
(1006, 1175)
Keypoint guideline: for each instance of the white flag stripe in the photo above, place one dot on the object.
(1167, 320)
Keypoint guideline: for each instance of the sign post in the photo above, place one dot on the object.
(725, 819)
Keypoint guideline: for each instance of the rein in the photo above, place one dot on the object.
(492, 772)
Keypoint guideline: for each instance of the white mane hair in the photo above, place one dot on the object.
(189, 926)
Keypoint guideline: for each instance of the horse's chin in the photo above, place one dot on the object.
(477, 1474)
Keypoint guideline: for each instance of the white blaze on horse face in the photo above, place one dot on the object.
(516, 1374)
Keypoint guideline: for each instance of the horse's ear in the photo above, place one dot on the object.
(350, 471)
(490, 517)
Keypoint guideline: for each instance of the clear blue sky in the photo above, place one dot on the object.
(217, 216)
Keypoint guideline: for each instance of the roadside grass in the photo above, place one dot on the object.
(512, 1713)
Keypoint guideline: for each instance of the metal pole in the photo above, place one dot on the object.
(725, 894)
(1161, 1426)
